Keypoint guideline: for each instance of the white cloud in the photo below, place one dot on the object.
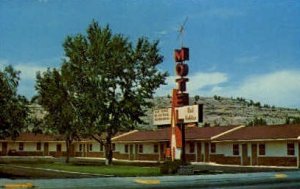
(281, 88)
(166, 89)
(201, 80)
(197, 82)
(29, 71)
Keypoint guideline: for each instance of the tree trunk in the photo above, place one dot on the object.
(68, 146)
(108, 150)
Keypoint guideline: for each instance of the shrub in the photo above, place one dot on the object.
(170, 167)
(257, 121)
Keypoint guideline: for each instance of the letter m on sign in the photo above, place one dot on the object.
(181, 55)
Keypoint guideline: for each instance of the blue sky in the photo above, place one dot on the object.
(248, 48)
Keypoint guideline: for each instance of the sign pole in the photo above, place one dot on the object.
(182, 127)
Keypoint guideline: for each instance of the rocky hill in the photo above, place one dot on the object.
(221, 111)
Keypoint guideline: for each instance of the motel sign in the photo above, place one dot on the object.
(189, 114)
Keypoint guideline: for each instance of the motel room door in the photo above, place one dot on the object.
(245, 160)
(4, 148)
(58, 150)
(254, 154)
(199, 153)
(46, 149)
(206, 152)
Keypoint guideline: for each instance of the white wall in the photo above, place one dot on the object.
(96, 147)
(86, 146)
(148, 148)
(273, 149)
(12, 146)
(121, 148)
(224, 148)
(279, 149)
(52, 146)
(29, 146)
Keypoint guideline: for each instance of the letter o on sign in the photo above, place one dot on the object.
(182, 70)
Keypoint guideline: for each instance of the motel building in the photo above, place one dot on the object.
(276, 145)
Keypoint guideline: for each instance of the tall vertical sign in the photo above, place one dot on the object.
(179, 98)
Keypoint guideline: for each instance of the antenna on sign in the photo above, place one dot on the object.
(181, 30)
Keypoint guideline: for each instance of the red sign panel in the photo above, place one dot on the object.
(182, 54)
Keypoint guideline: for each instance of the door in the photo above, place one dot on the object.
(199, 153)
(254, 154)
(84, 150)
(131, 152)
(206, 152)
(46, 149)
(136, 151)
(58, 150)
(4, 148)
(72, 150)
(245, 154)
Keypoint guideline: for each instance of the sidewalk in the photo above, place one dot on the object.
(213, 167)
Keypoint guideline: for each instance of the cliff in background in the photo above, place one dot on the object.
(221, 111)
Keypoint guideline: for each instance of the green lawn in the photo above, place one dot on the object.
(116, 170)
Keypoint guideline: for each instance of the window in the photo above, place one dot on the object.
(126, 148)
(213, 148)
(141, 148)
(192, 147)
(101, 147)
(80, 147)
(38, 146)
(291, 149)
(262, 149)
(113, 147)
(21, 146)
(91, 147)
(58, 147)
(236, 149)
(155, 148)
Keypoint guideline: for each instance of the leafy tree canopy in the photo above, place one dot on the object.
(58, 100)
(13, 111)
(113, 79)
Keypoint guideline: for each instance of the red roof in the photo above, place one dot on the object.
(263, 133)
(205, 133)
(28, 137)
(193, 133)
(157, 135)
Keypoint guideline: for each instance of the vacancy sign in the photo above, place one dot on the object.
(189, 114)
(162, 116)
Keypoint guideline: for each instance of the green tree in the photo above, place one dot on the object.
(59, 101)
(257, 121)
(296, 120)
(196, 98)
(13, 111)
(113, 80)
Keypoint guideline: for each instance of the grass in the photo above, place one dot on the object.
(115, 170)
